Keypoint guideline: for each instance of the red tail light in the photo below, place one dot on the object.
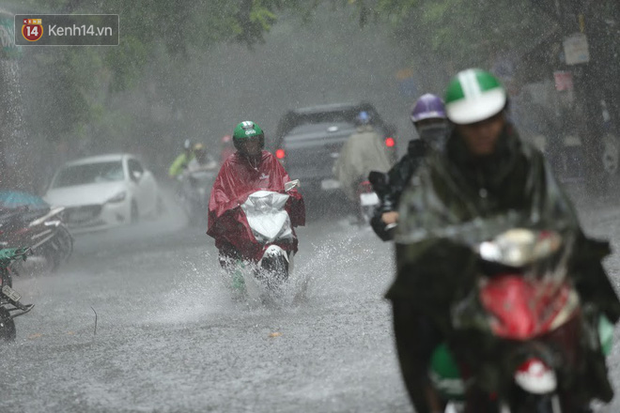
(280, 154)
(390, 142)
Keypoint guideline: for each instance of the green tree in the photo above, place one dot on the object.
(463, 32)
(77, 105)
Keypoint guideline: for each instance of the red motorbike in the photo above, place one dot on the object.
(534, 314)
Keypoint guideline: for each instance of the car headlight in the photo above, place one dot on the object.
(118, 197)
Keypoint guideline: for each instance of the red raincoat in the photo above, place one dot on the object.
(236, 180)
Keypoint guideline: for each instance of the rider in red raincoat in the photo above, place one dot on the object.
(248, 170)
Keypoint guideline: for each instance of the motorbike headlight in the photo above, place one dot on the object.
(117, 198)
(518, 247)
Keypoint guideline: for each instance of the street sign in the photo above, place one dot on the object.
(576, 49)
(563, 80)
(406, 83)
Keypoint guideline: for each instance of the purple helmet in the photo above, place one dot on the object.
(428, 106)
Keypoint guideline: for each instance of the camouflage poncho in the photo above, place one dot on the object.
(455, 201)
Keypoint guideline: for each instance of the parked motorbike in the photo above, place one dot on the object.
(10, 304)
(534, 312)
(195, 191)
(42, 228)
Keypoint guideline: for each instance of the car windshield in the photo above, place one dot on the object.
(319, 129)
(89, 174)
(347, 115)
(294, 120)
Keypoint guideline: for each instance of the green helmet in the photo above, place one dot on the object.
(247, 130)
(474, 95)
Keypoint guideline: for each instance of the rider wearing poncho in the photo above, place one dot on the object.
(485, 181)
(428, 116)
(362, 152)
(248, 170)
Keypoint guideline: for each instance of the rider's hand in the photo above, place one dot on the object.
(390, 217)
(417, 148)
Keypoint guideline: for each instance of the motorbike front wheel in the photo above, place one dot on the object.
(274, 271)
(533, 403)
(7, 326)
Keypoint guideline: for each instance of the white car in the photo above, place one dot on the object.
(104, 191)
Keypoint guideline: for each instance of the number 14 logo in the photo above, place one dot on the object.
(32, 32)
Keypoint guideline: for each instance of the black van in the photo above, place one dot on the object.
(308, 141)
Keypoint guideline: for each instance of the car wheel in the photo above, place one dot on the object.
(134, 215)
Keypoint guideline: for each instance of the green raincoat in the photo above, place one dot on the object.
(456, 201)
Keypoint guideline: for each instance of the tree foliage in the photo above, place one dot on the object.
(152, 32)
(177, 25)
(462, 32)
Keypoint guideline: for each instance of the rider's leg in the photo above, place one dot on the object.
(234, 267)
(416, 339)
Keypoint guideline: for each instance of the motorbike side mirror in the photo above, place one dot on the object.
(291, 184)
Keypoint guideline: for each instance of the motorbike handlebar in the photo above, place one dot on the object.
(291, 185)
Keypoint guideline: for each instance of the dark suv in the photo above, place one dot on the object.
(308, 140)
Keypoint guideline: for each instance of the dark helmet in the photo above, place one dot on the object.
(428, 106)
(244, 132)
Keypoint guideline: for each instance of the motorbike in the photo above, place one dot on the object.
(534, 313)
(368, 201)
(380, 186)
(42, 228)
(195, 190)
(272, 231)
(10, 304)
